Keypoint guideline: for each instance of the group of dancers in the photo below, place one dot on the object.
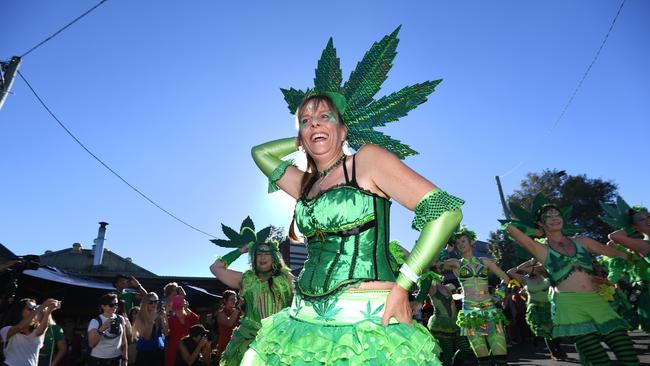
(350, 304)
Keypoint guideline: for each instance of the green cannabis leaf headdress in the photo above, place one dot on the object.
(354, 100)
(463, 230)
(527, 220)
(619, 215)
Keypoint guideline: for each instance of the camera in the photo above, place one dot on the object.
(115, 326)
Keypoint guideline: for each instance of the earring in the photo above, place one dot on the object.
(345, 145)
(301, 149)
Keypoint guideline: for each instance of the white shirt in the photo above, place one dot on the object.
(21, 349)
(107, 347)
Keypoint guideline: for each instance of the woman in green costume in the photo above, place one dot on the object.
(634, 234)
(578, 310)
(349, 307)
(443, 327)
(266, 287)
(538, 306)
(480, 320)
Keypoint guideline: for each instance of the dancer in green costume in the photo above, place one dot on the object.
(480, 320)
(349, 307)
(578, 311)
(633, 224)
(538, 306)
(443, 327)
(266, 287)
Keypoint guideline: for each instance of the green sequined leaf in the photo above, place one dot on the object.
(539, 201)
(230, 233)
(328, 72)
(293, 98)
(371, 72)
(522, 215)
(247, 223)
(392, 107)
(226, 243)
(367, 136)
(623, 207)
(263, 234)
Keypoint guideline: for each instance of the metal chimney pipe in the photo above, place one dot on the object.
(98, 252)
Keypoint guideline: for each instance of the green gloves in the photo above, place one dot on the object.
(436, 215)
(230, 257)
(268, 158)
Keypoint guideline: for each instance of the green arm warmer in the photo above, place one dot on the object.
(436, 216)
(230, 257)
(268, 156)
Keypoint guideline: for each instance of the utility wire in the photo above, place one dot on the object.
(62, 29)
(106, 165)
(575, 91)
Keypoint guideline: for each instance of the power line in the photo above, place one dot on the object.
(575, 91)
(106, 165)
(62, 29)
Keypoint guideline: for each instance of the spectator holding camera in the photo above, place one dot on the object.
(107, 335)
(150, 328)
(194, 349)
(227, 320)
(24, 330)
(179, 321)
(124, 286)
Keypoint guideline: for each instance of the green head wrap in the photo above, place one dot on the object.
(463, 231)
(527, 220)
(354, 98)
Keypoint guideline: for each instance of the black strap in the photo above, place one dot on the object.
(345, 170)
(351, 232)
(354, 171)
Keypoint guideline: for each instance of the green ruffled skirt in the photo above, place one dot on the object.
(345, 330)
(480, 318)
(578, 313)
(538, 317)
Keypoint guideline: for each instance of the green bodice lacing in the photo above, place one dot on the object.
(347, 240)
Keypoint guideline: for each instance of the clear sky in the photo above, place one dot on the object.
(173, 95)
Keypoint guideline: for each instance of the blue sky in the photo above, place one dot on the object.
(173, 95)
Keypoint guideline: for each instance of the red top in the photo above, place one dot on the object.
(225, 332)
(178, 330)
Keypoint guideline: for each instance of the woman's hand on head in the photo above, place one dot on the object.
(397, 306)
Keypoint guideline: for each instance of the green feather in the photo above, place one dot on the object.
(294, 98)
(328, 72)
(367, 78)
(391, 107)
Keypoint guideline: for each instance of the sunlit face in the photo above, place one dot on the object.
(464, 244)
(263, 261)
(321, 132)
(552, 220)
(27, 310)
(641, 222)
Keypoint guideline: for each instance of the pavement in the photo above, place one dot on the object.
(529, 354)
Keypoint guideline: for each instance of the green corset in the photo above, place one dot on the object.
(347, 240)
(560, 266)
(537, 292)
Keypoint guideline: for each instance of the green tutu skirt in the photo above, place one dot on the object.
(480, 318)
(538, 317)
(578, 313)
(345, 330)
